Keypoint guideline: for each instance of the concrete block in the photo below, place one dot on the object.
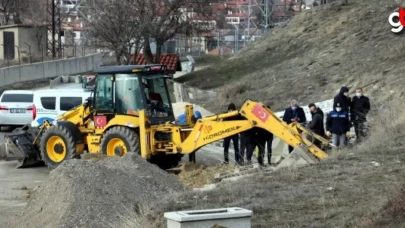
(12, 75)
(234, 217)
(49, 69)
(54, 82)
(65, 78)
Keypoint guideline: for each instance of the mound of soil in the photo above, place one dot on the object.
(196, 176)
(95, 193)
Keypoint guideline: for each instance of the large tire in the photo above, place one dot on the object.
(57, 145)
(118, 141)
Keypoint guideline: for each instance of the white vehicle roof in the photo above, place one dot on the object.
(62, 91)
(18, 92)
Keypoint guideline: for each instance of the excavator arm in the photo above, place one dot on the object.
(214, 128)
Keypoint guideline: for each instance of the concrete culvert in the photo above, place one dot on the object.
(95, 192)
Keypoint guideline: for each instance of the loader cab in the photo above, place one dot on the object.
(125, 90)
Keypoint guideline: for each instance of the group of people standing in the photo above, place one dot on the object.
(249, 140)
(347, 112)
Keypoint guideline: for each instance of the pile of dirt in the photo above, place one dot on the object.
(311, 57)
(196, 176)
(179, 107)
(95, 193)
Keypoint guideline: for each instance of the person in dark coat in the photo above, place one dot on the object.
(234, 138)
(359, 109)
(245, 144)
(343, 99)
(294, 114)
(268, 139)
(338, 125)
(317, 124)
(318, 110)
(257, 139)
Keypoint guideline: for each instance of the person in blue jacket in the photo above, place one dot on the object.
(181, 119)
(338, 125)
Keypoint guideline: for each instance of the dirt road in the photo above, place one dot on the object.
(15, 185)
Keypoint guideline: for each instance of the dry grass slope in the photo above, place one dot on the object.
(347, 190)
(312, 57)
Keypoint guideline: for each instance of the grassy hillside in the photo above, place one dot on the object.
(361, 187)
(312, 57)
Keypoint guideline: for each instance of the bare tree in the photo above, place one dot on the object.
(12, 9)
(35, 14)
(119, 25)
(169, 18)
(126, 26)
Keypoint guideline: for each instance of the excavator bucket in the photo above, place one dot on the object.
(19, 145)
(298, 157)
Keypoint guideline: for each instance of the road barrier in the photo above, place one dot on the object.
(49, 69)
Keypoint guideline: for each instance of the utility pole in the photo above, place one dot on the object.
(53, 38)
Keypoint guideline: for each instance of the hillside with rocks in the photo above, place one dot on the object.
(311, 57)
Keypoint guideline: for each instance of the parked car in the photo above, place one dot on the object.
(16, 108)
(48, 104)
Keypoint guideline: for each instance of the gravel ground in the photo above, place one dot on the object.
(95, 193)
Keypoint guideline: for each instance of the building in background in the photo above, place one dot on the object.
(20, 42)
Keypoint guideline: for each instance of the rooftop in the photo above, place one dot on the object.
(16, 26)
(122, 68)
(172, 61)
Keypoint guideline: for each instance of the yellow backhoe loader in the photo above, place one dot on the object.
(131, 112)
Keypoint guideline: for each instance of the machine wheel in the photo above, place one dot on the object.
(119, 141)
(57, 145)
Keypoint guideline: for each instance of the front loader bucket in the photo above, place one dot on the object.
(19, 145)
(298, 157)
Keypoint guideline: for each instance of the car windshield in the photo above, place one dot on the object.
(16, 97)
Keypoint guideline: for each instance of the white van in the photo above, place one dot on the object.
(48, 104)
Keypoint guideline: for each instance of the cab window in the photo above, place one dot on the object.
(128, 96)
(158, 99)
(103, 96)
